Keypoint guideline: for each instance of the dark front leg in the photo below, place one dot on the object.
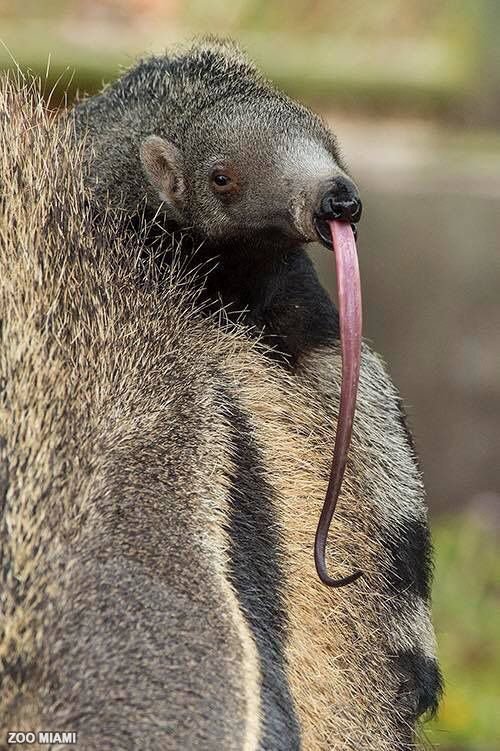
(301, 317)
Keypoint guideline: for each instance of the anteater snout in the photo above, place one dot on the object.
(340, 200)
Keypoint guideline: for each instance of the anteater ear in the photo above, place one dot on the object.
(164, 166)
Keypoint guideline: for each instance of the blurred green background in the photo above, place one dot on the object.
(412, 89)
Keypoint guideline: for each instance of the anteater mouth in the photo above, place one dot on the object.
(322, 227)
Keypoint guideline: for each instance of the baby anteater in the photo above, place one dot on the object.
(204, 144)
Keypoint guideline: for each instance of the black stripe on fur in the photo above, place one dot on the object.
(256, 573)
(421, 684)
(411, 555)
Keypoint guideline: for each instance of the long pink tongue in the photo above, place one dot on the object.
(349, 298)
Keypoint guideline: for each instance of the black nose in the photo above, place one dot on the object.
(340, 201)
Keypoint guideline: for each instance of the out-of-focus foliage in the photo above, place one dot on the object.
(467, 619)
(359, 17)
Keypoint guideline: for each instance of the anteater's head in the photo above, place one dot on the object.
(260, 168)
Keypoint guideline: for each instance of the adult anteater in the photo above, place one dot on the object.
(160, 479)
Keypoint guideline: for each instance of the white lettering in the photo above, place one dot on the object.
(56, 736)
(18, 736)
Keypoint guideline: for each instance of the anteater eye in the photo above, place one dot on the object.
(225, 182)
(221, 180)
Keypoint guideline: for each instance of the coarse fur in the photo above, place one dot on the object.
(160, 481)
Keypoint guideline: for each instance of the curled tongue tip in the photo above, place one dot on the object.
(350, 315)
